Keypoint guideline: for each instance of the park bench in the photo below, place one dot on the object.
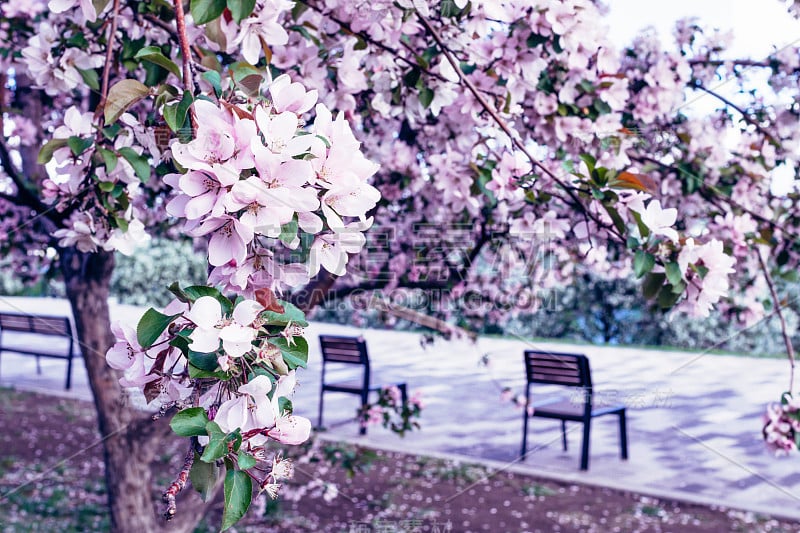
(351, 351)
(30, 325)
(571, 371)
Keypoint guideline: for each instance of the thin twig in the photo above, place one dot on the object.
(178, 485)
(163, 25)
(112, 33)
(186, 55)
(367, 38)
(745, 115)
(711, 192)
(784, 330)
(736, 62)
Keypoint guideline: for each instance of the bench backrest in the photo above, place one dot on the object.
(43, 325)
(348, 350)
(571, 370)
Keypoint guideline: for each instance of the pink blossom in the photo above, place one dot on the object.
(289, 96)
(262, 24)
(236, 334)
(87, 7)
(660, 221)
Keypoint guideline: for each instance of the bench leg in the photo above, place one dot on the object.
(364, 401)
(38, 365)
(403, 393)
(564, 434)
(319, 419)
(587, 426)
(623, 435)
(69, 373)
(524, 449)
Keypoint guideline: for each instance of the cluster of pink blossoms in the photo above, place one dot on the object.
(782, 426)
(278, 200)
(706, 269)
(228, 361)
(254, 178)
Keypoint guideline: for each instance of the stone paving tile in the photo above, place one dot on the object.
(693, 420)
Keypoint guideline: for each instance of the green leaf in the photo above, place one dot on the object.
(46, 153)
(643, 263)
(679, 287)
(616, 218)
(206, 10)
(109, 159)
(295, 355)
(204, 361)
(212, 77)
(411, 77)
(601, 107)
(534, 40)
(652, 284)
(291, 313)
(175, 114)
(217, 446)
(238, 492)
(667, 297)
(557, 48)
(285, 406)
(106, 186)
(241, 9)
(673, 272)
(204, 477)
(245, 460)
(198, 373)
(154, 55)
(121, 223)
(644, 231)
(78, 145)
(151, 326)
(140, 163)
(90, 78)
(426, 97)
(190, 422)
(289, 231)
(121, 97)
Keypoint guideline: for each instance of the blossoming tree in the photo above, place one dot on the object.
(455, 134)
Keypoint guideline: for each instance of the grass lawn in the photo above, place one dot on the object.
(50, 481)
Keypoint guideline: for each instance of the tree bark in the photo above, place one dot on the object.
(131, 439)
(128, 478)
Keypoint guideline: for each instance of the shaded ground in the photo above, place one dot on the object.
(48, 483)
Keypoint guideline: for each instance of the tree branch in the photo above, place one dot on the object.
(373, 42)
(710, 193)
(24, 196)
(746, 116)
(516, 141)
(112, 34)
(186, 55)
(737, 62)
(787, 341)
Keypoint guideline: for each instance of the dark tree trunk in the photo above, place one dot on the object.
(131, 438)
(128, 477)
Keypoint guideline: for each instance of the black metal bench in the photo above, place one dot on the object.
(350, 351)
(568, 370)
(57, 326)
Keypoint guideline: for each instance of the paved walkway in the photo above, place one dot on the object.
(694, 420)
